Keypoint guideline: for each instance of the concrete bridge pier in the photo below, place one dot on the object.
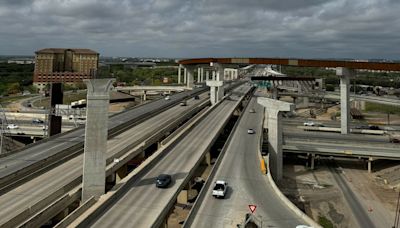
(207, 159)
(220, 78)
(273, 112)
(215, 87)
(344, 74)
(179, 73)
(94, 166)
(184, 75)
(121, 173)
(370, 160)
(189, 76)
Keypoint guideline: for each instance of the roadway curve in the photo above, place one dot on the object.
(240, 167)
(144, 205)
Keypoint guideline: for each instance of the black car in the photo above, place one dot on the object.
(163, 180)
(373, 127)
(197, 97)
(37, 121)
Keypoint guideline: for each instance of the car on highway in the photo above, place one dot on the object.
(163, 180)
(37, 121)
(219, 190)
(183, 103)
(167, 98)
(250, 131)
(374, 127)
(362, 127)
(309, 124)
(393, 138)
(197, 97)
(252, 110)
(12, 126)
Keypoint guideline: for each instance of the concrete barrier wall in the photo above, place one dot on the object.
(335, 129)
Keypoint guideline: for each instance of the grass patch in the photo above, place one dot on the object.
(324, 222)
(10, 99)
(68, 98)
(381, 108)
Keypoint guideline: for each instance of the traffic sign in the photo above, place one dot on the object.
(252, 208)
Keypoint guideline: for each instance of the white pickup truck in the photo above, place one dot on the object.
(219, 190)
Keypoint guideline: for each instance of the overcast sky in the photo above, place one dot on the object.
(204, 28)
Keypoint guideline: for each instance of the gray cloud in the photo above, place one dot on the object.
(202, 28)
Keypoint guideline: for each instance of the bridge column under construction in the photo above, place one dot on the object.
(216, 84)
(273, 112)
(94, 166)
(189, 76)
(344, 74)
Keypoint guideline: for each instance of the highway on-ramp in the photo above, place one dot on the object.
(240, 167)
(144, 205)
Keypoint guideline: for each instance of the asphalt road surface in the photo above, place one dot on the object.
(240, 167)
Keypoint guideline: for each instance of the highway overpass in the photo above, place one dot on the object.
(141, 204)
(19, 203)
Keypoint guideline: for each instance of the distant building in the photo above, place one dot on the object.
(64, 65)
(21, 61)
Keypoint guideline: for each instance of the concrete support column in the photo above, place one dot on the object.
(184, 75)
(370, 164)
(345, 75)
(220, 78)
(275, 93)
(144, 95)
(207, 158)
(214, 88)
(207, 75)
(179, 73)
(198, 74)
(213, 75)
(312, 161)
(202, 74)
(94, 166)
(121, 173)
(274, 109)
(190, 80)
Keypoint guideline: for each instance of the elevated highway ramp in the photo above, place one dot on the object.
(20, 203)
(144, 205)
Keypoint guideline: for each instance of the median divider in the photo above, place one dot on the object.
(265, 163)
(203, 192)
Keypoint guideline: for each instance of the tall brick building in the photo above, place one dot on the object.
(64, 65)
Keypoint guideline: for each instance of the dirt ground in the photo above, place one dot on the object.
(318, 194)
